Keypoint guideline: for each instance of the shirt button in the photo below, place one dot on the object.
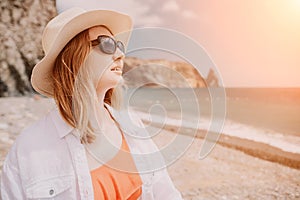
(51, 192)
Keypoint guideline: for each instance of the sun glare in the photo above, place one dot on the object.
(287, 11)
(294, 4)
(297, 2)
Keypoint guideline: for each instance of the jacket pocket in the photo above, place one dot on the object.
(51, 188)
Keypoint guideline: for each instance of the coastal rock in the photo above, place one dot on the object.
(161, 73)
(212, 79)
(21, 26)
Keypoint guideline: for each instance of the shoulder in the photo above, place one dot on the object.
(27, 139)
(39, 131)
(37, 154)
(38, 146)
(36, 137)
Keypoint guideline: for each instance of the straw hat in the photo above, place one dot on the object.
(61, 29)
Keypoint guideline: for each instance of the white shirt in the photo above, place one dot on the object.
(47, 160)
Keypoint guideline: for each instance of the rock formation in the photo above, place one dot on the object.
(161, 73)
(212, 79)
(21, 26)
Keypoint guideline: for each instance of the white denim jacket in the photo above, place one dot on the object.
(47, 161)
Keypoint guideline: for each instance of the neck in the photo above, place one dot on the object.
(102, 111)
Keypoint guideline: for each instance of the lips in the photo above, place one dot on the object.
(116, 69)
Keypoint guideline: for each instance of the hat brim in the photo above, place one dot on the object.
(119, 24)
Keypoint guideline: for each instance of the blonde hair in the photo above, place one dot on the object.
(74, 88)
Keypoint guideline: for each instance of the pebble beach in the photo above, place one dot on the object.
(226, 173)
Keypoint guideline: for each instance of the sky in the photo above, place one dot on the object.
(253, 43)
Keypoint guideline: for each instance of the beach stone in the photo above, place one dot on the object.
(225, 173)
(3, 126)
(5, 138)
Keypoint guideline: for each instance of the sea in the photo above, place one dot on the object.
(276, 109)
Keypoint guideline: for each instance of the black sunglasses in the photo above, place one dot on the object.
(107, 44)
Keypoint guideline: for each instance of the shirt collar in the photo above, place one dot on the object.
(63, 128)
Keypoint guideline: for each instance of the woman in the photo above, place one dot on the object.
(86, 148)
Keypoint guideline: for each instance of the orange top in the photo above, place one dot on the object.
(110, 183)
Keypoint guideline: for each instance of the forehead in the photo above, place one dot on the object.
(95, 31)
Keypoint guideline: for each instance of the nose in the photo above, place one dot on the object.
(118, 55)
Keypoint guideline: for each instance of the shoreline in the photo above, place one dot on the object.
(285, 142)
(264, 147)
(226, 173)
(253, 148)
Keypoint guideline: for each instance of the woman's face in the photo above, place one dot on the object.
(102, 64)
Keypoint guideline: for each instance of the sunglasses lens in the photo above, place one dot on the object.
(107, 45)
(120, 45)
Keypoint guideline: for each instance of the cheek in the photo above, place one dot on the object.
(104, 77)
(98, 65)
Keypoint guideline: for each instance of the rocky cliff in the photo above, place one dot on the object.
(161, 73)
(21, 26)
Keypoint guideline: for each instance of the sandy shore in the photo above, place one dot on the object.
(226, 173)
